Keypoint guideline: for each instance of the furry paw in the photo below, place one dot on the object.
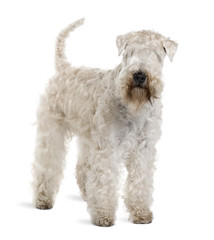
(103, 218)
(142, 217)
(103, 222)
(44, 205)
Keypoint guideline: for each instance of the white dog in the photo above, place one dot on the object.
(116, 115)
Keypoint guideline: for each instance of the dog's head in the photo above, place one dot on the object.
(139, 79)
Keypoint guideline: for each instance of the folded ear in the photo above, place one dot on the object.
(121, 42)
(170, 48)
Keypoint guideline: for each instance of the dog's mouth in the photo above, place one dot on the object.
(142, 86)
(140, 94)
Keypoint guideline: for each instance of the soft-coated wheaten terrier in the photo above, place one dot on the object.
(116, 115)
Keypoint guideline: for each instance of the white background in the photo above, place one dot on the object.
(183, 197)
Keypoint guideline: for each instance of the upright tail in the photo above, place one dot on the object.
(60, 58)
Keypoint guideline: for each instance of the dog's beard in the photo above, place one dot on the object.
(140, 95)
(137, 96)
(147, 92)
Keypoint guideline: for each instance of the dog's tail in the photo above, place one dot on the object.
(60, 58)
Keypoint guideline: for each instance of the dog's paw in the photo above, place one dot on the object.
(103, 218)
(44, 205)
(103, 222)
(141, 217)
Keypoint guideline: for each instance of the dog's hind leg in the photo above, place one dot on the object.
(82, 167)
(49, 158)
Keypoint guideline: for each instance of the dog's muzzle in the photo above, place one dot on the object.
(139, 78)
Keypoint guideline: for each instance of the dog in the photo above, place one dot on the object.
(116, 116)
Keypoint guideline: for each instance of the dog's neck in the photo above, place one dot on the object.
(115, 72)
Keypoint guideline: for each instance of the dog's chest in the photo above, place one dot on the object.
(127, 126)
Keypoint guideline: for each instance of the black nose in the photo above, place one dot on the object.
(139, 77)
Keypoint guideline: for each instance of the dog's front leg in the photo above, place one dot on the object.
(101, 188)
(139, 185)
(140, 167)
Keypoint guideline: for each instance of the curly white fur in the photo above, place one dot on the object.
(116, 125)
